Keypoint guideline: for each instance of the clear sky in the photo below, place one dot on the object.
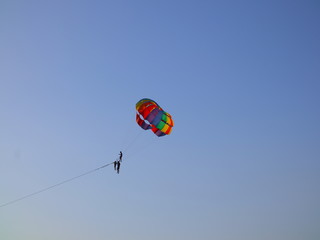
(241, 80)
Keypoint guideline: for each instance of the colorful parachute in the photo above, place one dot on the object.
(151, 116)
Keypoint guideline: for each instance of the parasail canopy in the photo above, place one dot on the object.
(151, 116)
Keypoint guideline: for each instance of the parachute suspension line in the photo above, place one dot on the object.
(140, 150)
(125, 135)
(133, 141)
(53, 186)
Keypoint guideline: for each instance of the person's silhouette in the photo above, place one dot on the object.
(118, 167)
(120, 156)
(115, 165)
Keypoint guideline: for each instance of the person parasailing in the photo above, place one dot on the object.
(118, 167)
(115, 165)
(120, 156)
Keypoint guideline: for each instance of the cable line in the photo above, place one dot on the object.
(55, 185)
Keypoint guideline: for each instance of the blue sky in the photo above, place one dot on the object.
(240, 79)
